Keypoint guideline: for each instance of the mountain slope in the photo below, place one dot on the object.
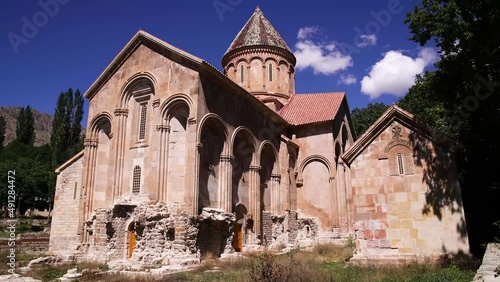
(43, 125)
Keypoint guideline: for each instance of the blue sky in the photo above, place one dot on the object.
(356, 46)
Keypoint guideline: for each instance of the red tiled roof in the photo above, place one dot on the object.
(258, 31)
(312, 108)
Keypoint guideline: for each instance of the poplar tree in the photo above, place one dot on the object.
(66, 137)
(25, 128)
(2, 130)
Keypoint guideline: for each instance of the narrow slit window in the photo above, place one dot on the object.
(242, 74)
(142, 122)
(136, 180)
(270, 72)
(400, 164)
(74, 193)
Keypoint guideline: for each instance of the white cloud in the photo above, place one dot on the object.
(367, 40)
(323, 58)
(347, 79)
(395, 73)
(307, 31)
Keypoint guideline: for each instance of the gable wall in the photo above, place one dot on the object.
(64, 227)
(416, 213)
(172, 78)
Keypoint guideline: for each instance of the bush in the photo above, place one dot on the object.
(266, 269)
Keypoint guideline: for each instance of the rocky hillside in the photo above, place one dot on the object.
(43, 125)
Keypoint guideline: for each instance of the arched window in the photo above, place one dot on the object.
(270, 72)
(400, 164)
(400, 160)
(242, 74)
(142, 121)
(136, 180)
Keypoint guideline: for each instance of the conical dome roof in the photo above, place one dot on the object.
(258, 31)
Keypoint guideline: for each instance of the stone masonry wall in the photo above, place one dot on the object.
(398, 215)
(165, 234)
(65, 214)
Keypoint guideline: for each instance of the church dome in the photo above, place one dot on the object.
(258, 31)
(260, 61)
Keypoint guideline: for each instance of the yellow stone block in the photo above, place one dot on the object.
(414, 233)
(421, 244)
(394, 224)
(407, 223)
(413, 196)
(405, 250)
(395, 243)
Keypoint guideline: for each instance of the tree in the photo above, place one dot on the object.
(465, 83)
(365, 117)
(2, 130)
(423, 101)
(33, 175)
(25, 128)
(66, 128)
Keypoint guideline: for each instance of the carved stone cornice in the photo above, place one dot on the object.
(90, 142)
(156, 103)
(163, 128)
(255, 168)
(299, 182)
(275, 177)
(121, 112)
(226, 158)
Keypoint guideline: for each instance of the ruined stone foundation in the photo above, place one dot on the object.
(148, 235)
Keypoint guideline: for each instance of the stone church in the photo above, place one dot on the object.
(182, 160)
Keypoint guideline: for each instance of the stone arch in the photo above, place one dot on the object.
(98, 122)
(243, 151)
(269, 177)
(256, 58)
(216, 121)
(255, 75)
(316, 196)
(241, 60)
(402, 148)
(212, 140)
(345, 137)
(100, 163)
(248, 135)
(283, 62)
(173, 101)
(176, 115)
(131, 240)
(312, 158)
(267, 143)
(268, 59)
(134, 81)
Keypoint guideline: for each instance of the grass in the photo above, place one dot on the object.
(323, 263)
(20, 229)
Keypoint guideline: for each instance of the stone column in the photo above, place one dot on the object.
(264, 77)
(121, 124)
(254, 197)
(348, 188)
(196, 186)
(192, 167)
(274, 184)
(225, 183)
(341, 192)
(87, 188)
(334, 202)
(161, 193)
